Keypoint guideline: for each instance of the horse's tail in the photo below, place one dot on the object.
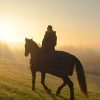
(81, 77)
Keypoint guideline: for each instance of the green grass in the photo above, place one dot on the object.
(15, 84)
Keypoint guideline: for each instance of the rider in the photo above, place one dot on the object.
(50, 40)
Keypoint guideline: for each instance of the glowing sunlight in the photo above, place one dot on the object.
(7, 33)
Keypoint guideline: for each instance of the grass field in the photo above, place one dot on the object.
(15, 84)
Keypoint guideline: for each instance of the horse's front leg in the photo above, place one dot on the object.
(33, 78)
(43, 82)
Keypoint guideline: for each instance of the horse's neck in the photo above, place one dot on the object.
(34, 52)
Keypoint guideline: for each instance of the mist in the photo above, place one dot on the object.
(89, 58)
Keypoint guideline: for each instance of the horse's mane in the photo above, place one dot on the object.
(35, 44)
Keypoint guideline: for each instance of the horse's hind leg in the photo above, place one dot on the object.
(43, 82)
(60, 88)
(70, 85)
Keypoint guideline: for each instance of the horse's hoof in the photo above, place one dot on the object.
(33, 89)
(49, 91)
(72, 98)
(57, 93)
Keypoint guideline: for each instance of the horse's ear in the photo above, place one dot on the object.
(26, 39)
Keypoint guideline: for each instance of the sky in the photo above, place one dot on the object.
(76, 22)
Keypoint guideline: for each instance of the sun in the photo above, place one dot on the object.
(8, 33)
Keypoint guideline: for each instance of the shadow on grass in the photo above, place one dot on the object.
(62, 97)
(51, 95)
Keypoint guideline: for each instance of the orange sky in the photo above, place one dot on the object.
(76, 22)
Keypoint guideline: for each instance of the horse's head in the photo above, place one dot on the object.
(27, 46)
(30, 47)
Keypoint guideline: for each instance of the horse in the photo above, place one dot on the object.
(57, 63)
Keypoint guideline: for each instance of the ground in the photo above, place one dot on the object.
(15, 84)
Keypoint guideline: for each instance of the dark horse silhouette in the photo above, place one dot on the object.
(58, 63)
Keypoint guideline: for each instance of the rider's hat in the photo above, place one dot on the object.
(49, 27)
